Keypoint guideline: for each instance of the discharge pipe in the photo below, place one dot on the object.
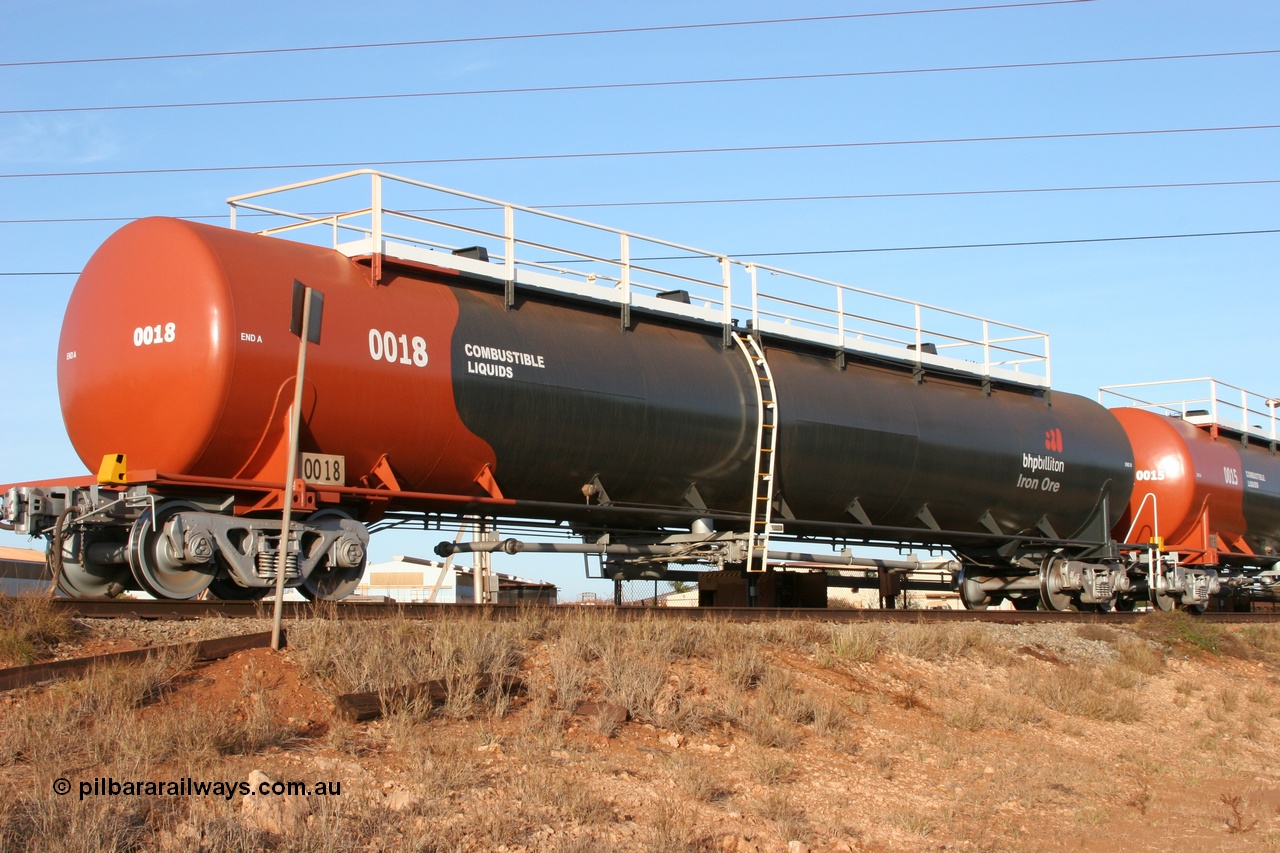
(517, 546)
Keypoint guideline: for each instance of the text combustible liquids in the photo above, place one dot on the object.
(490, 361)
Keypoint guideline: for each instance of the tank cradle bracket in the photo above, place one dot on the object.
(595, 489)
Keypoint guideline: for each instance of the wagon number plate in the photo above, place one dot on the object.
(323, 469)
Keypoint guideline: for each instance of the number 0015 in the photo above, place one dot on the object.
(323, 469)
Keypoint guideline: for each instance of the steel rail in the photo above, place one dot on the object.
(297, 610)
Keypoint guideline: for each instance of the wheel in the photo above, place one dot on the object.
(1161, 601)
(1126, 605)
(72, 574)
(76, 580)
(149, 559)
(326, 582)
(1051, 595)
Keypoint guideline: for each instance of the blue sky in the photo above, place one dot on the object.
(1116, 312)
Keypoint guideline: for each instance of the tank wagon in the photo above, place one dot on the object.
(647, 398)
(1206, 487)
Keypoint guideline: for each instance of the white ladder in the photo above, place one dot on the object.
(762, 481)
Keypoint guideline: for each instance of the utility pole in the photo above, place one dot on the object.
(308, 306)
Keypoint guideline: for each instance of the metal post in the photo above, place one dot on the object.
(291, 470)
(483, 564)
(839, 317)
(375, 211)
(509, 241)
(986, 349)
(509, 262)
(755, 301)
(624, 255)
(726, 279)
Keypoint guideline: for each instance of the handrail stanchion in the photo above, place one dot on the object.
(840, 318)
(755, 298)
(509, 253)
(986, 350)
(726, 294)
(919, 335)
(376, 212)
(624, 274)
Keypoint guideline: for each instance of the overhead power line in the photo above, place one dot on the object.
(739, 149)
(648, 84)
(530, 36)
(1002, 245)
(1006, 245)
(923, 194)
(741, 200)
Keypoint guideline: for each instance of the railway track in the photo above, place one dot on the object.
(178, 610)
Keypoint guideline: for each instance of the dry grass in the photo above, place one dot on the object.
(1139, 655)
(387, 655)
(30, 627)
(1008, 711)
(743, 668)
(698, 779)
(932, 642)
(858, 642)
(952, 735)
(1078, 693)
(93, 721)
(1177, 629)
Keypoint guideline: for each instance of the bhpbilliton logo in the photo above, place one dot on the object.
(1053, 440)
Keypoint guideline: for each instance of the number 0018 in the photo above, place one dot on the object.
(323, 469)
